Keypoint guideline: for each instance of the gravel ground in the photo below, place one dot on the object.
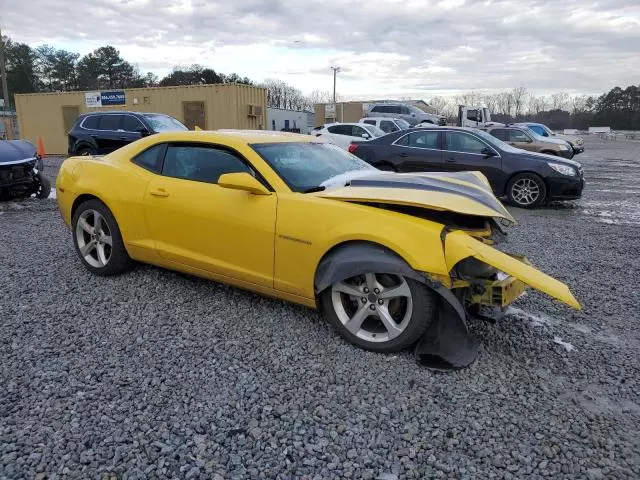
(158, 375)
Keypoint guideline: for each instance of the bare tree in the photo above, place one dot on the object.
(559, 100)
(439, 103)
(519, 95)
(505, 103)
(578, 103)
(491, 101)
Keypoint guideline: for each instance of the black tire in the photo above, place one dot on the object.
(517, 182)
(386, 167)
(85, 151)
(422, 314)
(43, 188)
(119, 260)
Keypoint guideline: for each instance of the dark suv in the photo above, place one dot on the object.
(100, 133)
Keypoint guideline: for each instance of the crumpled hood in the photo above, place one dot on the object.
(461, 192)
(16, 151)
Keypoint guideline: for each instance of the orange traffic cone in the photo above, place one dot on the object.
(41, 148)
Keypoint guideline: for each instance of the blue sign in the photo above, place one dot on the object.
(112, 98)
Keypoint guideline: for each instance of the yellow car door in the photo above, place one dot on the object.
(198, 223)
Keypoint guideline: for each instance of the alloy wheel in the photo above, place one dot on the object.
(373, 307)
(525, 191)
(94, 238)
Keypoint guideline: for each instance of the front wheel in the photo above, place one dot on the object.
(43, 186)
(379, 312)
(98, 241)
(526, 190)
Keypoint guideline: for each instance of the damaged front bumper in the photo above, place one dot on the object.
(480, 276)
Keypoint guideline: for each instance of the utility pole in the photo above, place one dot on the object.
(3, 75)
(335, 71)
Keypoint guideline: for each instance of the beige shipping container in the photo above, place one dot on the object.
(210, 107)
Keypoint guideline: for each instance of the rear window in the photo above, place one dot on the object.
(109, 122)
(91, 122)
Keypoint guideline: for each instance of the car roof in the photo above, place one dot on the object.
(380, 118)
(102, 112)
(238, 136)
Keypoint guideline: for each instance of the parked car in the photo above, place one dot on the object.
(342, 134)
(576, 141)
(304, 221)
(21, 171)
(522, 137)
(411, 114)
(387, 124)
(100, 133)
(526, 178)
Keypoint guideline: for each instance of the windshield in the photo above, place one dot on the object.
(164, 123)
(403, 124)
(373, 130)
(546, 129)
(496, 142)
(305, 166)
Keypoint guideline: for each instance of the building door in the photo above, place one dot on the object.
(70, 114)
(194, 115)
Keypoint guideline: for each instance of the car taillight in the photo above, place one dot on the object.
(353, 147)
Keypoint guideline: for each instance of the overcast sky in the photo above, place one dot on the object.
(415, 48)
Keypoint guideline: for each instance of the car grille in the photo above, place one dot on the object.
(16, 173)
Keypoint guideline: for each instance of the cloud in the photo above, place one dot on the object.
(392, 47)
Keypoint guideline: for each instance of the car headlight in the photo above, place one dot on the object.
(563, 169)
(564, 147)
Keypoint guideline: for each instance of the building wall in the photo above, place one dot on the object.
(226, 106)
(344, 112)
(276, 119)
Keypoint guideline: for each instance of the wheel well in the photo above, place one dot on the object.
(82, 198)
(354, 257)
(83, 144)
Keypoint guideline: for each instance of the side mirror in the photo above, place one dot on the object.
(487, 152)
(242, 181)
(142, 131)
(365, 135)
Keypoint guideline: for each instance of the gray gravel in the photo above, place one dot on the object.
(158, 375)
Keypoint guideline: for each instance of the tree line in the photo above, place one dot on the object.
(48, 69)
(619, 108)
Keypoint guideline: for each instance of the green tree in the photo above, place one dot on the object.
(56, 69)
(21, 68)
(193, 75)
(105, 69)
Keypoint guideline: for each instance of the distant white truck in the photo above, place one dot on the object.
(476, 117)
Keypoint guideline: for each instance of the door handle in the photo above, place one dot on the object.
(451, 160)
(403, 155)
(94, 135)
(160, 192)
(123, 138)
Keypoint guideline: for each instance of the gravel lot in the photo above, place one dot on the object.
(158, 375)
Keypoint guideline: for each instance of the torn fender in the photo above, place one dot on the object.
(459, 245)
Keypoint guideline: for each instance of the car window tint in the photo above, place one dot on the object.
(518, 136)
(424, 139)
(131, 123)
(501, 134)
(538, 129)
(109, 122)
(463, 142)
(370, 122)
(388, 126)
(200, 163)
(341, 130)
(91, 122)
(472, 115)
(150, 159)
(404, 110)
(358, 131)
(403, 141)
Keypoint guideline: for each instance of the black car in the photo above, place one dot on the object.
(21, 171)
(100, 133)
(526, 178)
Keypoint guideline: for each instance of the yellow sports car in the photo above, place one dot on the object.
(393, 260)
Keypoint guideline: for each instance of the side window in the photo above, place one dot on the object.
(341, 130)
(518, 136)
(425, 139)
(359, 131)
(404, 110)
(200, 163)
(377, 109)
(91, 122)
(500, 133)
(403, 141)
(370, 122)
(388, 126)
(151, 158)
(538, 129)
(463, 142)
(109, 122)
(131, 123)
(473, 115)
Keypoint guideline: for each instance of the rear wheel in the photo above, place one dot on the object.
(379, 312)
(526, 190)
(98, 241)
